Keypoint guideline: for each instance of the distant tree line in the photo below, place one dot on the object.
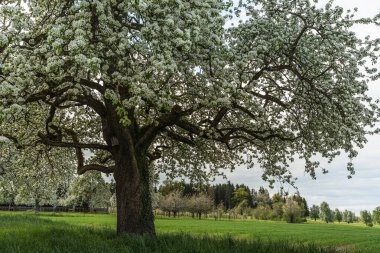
(174, 203)
(229, 201)
(239, 201)
(369, 218)
(325, 214)
(172, 198)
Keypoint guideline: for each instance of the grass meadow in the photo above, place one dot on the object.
(77, 232)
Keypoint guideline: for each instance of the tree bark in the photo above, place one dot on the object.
(133, 193)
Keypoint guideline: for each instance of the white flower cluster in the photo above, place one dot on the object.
(3, 40)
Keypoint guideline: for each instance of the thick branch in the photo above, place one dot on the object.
(179, 138)
(63, 144)
(219, 116)
(54, 92)
(105, 169)
(167, 119)
(268, 97)
(82, 168)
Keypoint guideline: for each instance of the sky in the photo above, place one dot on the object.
(363, 190)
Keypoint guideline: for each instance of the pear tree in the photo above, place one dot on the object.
(184, 87)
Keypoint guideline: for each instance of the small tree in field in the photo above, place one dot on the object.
(263, 212)
(366, 218)
(349, 216)
(173, 202)
(201, 204)
(326, 214)
(293, 213)
(344, 215)
(314, 212)
(150, 86)
(278, 209)
(262, 196)
(376, 215)
(338, 215)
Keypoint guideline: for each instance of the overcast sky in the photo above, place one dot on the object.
(363, 190)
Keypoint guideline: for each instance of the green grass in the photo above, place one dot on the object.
(47, 232)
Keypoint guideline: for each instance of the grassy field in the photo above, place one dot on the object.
(46, 232)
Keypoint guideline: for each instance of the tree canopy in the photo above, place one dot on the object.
(167, 85)
(326, 214)
(34, 176)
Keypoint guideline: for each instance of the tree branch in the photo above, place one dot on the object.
(179, 138)
(167, 119)
(105, 169)
(82, 168)
(63, 144)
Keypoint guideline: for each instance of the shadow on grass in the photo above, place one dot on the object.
(32, 234)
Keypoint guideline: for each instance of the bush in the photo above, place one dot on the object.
(293, 213)
(263, 212)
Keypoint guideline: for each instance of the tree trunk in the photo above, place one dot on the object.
(133, 193)
(36, 205)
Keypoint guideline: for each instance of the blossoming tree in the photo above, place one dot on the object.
(166, 85)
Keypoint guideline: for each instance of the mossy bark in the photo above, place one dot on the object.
(133, 193)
